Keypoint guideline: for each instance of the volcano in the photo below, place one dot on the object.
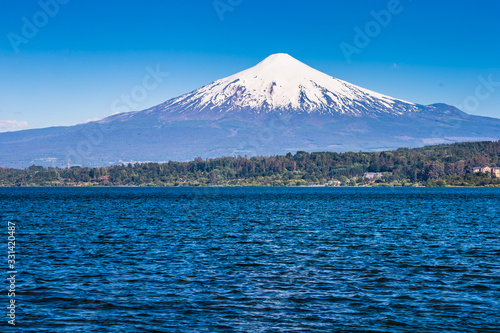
(280, 105)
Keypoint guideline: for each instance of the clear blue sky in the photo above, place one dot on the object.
(87, 54)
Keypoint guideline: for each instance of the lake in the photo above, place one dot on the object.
(253, 259)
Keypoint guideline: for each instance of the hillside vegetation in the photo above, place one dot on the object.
(438, 165)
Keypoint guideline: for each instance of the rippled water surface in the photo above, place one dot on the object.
(254, 259)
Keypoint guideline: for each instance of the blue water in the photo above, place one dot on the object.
(254, 259)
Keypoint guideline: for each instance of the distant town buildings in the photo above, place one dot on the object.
(494, 171)
(372, 175)
(482, 169)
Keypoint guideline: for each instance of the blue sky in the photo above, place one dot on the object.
(80, 58)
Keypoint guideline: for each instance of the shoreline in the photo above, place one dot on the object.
(238, 186)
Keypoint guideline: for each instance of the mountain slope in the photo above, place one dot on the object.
(277, 106)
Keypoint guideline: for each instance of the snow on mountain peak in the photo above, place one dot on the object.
(281, 83)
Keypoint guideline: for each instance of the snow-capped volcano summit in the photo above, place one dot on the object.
(281, 83)
(280, 105)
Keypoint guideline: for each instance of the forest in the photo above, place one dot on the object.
(438, 165)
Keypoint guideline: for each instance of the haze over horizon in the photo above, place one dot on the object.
(79, 61)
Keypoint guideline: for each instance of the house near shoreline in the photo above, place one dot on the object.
(494, 171)
(371, 176)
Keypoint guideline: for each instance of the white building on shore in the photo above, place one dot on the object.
(372, 175)
(494, 171)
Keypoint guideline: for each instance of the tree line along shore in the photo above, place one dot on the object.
(437, 165)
